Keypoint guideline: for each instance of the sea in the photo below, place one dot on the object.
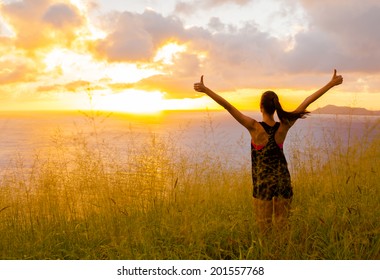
(26, 135)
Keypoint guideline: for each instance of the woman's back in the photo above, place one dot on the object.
(260, 136)
(270, 173)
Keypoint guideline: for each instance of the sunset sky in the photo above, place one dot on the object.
(145, 55)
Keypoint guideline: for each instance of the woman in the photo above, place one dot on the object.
(272, 190)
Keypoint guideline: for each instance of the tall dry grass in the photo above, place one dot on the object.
(86, 200)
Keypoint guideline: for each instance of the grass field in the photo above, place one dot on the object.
(154, 202)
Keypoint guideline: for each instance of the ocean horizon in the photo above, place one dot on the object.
(27, 134)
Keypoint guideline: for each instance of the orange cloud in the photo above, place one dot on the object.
(79, 86)
(15, 68)
(175, 87)
(124, 55)
(42, 23)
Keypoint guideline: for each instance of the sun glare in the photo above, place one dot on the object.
(167, 53)
(69, 66)
(5, 29)
(79, 4)
(82, 66)
(66, 59)
(131, 101)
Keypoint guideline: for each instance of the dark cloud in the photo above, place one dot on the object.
(129, 41)
(342, 33)
(313, 52)
(62, 15)
(188, 8)
(185, 8)
(136, 37)
(216, 24)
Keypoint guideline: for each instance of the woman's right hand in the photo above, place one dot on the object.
(336, 79)
(200, 86)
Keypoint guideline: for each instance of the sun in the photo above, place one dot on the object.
(70, 67)
(131, 101)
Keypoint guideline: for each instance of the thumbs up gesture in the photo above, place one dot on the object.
(200, 86)
(336, 79)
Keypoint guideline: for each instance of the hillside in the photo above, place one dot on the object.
(343, 110)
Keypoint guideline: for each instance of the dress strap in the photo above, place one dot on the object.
(271, 130)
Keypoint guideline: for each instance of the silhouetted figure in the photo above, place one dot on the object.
(272, 190)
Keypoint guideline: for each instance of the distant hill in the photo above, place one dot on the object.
(343, 110)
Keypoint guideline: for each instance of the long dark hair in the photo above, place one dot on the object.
(270, 103)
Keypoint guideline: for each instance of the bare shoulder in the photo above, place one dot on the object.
(285, 126)
(282, 131)
(248, 122)
(253, 125)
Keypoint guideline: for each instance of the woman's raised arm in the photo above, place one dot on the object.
(244, 120)
(335, 80)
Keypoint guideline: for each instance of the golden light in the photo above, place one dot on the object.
(131, 101)
(5, 29)
(190, 104)
(127, 72)
(68, 66)
(168, 52)
(70, 62)
(77, 66)
(90, 32)
(80, 5)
